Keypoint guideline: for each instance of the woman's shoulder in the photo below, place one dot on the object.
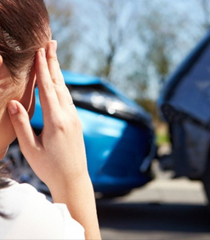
(32, 215)
(15, 197)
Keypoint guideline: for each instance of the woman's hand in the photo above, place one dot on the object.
(58, 154)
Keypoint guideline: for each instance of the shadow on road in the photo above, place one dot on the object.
(154, 217)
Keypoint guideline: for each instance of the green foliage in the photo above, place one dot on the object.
(162, 137)
(161, 129)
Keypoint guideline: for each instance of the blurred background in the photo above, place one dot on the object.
(135, 44)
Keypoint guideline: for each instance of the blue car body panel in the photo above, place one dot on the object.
(79, 79)
(115, 148)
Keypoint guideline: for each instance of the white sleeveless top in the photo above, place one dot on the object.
(31, 216)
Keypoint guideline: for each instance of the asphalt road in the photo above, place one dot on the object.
(163, 210)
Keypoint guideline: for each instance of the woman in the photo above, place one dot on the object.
(28, 57)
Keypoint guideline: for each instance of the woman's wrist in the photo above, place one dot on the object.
(69, 186)
(79, 197)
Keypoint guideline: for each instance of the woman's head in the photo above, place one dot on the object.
(24, 28)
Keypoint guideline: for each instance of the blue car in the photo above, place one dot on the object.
(118, 135)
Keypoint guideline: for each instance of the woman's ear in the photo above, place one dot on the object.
(28, 98)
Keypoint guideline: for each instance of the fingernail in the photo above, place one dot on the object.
(12, 108)
(54, 45)
(42, 52)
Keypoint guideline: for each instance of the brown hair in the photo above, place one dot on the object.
(24, 28)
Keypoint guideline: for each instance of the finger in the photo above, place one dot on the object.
(64, 96)
(48, 97)
(53, 64)
(19, 118)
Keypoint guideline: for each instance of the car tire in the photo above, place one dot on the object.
(112, 195)
(206, 181)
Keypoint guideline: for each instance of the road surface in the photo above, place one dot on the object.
(165, 209)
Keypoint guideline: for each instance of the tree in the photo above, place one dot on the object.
(161, 34)
(134, 44)
(117, 32)
(60, 17)
(106, 29)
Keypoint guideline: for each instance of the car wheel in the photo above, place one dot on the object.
(112, 195)
(22, 172)
(206, 181)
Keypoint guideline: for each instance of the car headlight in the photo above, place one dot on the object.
(98, 98)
